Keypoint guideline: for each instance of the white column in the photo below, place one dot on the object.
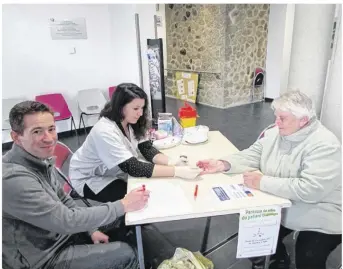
(331, 113)
(279, 44)
(311, 49)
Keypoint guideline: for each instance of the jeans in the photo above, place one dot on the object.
(81, 253)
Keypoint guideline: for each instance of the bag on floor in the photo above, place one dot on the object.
(185, 259)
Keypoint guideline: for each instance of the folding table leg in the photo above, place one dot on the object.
(266, 262)
(140, 247)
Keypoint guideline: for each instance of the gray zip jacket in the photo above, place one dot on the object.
(37, 216)
(304, 167)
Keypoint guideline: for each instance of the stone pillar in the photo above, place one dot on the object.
(245, 50)
(195, 42)
(224, 43)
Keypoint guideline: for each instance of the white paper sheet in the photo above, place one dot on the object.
(186, 75)
(180, 87)
(191, 88)
(165, 199)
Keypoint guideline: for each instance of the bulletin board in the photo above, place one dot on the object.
(186, 86)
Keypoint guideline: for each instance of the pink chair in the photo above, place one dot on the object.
(62, 154)
(60, 107)
(111, 90)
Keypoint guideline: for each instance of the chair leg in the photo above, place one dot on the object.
(80, 121)
(83, 122)
(71, 128)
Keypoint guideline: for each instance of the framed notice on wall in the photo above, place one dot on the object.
(68, 28)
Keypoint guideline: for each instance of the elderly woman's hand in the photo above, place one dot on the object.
(252, 179)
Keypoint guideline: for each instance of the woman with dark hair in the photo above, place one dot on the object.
(112, 150)
(100, 167)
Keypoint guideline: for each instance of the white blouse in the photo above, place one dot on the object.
(96, 162)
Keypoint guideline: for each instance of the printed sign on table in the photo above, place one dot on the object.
(258, 231)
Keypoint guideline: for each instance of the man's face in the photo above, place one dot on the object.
(39, 137)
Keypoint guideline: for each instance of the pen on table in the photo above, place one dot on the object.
(196, 191)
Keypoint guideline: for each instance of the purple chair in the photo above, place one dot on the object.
(60, 108)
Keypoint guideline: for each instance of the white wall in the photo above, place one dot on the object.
(279, 43)
(331, 113)
(311, 49)
(124, 55)
(33, 63)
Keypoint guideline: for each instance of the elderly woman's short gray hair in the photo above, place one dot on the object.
(296, 102)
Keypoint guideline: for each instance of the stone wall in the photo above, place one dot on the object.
(223, 43)
(246, 48)
(195, 42)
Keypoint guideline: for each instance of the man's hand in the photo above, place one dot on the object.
(252, 179)
(212, 166)
(135, 199)
(99, 237)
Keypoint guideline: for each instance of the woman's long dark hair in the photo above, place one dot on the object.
(123, 95)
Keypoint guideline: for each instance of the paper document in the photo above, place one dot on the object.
(191, 88)
(231, 192)
(180, 86)
(258, 231)
(187, 75)
(165, 199)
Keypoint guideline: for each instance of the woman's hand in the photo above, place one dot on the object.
(212, 166)
(253, 179)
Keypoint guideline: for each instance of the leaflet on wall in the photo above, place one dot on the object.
(180, 87)
(154, 72)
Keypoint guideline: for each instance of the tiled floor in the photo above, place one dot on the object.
(241, 125)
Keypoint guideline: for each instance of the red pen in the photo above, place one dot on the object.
(196, 191)
(143, 186)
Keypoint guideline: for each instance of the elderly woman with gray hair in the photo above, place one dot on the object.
(299, 159)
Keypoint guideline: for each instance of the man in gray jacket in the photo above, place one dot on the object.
(42, 225)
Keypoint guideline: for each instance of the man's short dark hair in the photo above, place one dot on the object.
(19, 111)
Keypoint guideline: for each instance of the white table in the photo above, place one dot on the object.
(216, 147)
